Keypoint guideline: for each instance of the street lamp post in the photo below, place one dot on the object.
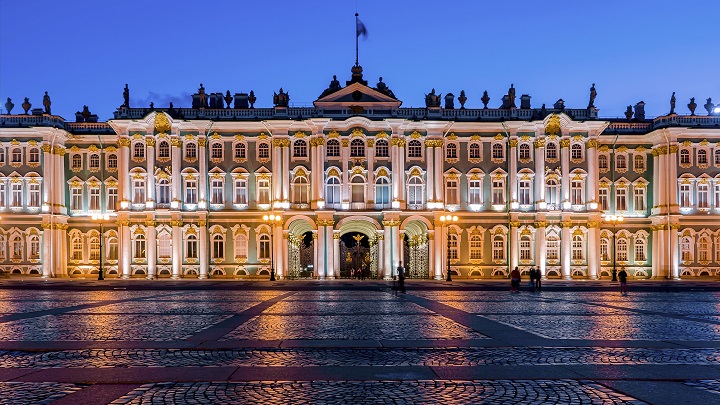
(448, 219)
(272, 220)
(101, 218)
(614, 219)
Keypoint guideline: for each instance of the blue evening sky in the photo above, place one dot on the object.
(83, 52)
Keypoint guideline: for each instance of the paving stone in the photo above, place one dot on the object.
(712, 386)
(21, 393)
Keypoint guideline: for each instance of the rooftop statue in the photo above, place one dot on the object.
(203, 96)
(672, 104)
(462, 99)
(432, 100)
(593, 94)
(511, 96)
(281, 99)
(26, 105)
(709, 106)
(332, 88)
(692, 106)
(228, 98)
(46, 103)
(126, 97)
(383, 88)
(252, 99)
(629, 112)
(9, 105)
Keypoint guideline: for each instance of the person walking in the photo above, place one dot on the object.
(532, 279)
(622, 277)
(515, 280)
(401, 278)
(538, 283)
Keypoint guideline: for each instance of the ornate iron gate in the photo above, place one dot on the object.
(416, 254)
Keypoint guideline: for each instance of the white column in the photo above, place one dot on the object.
(285, 173)
(439, 177)
(62, 243)
(124, 169)
(314, 182)
(345, 167)
(565, 246)
(591, 185)
(203, 254)
(176, 168)
(539, 174)
(512, 156)
(674, 253)
(593, 249)
(47, 172)
(540, 248)
(387, 239)
(316, 253)
(658, 180)
(402, 190)
(672, 184)
(371, 174)
(284, 253)
(336, 255)
(434, 268)
(565, 167)
(320, 169)
(125, 244)
(276, 164)
(177, 248)
(202, 163)
(150, 159)
(47, 257)
(59, 191)
(321, 250)
(381, 255)
(429, 153)
(151, 249)
(514, 247)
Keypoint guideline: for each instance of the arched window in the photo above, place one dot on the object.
(453, 244)
(525, 252)
(553, 247)
(551, 151)
(218, 247)
(416, 189)
(684, 157)
(414, 149)
(333, 148)
(3, 248)
(475, 247)
(382, 192)
(498, 151)
(524, 151)
(76, 162)
(34, 241)
(577, 248)
(686, 252)
(381, 148)
(191, 247)
(300, 190)
(264, 250)
(112, 161)
(76, 248)
(16, 155)
(94, 161)
(640, 250)
(498, 248)
(241, 246)
(164, 150)
(191, 151)
(216, 150)
(639, 163)
(139, 245)
(702, 157)
(94, 248)
(332, 191)
(112, 249)
(34, 155)
(603, 162)
(451, 151)
(357, 189)
(263, 150)
(622, 250)
(164, 246)
(240, 151)
(620, 162)
(704, 249)
(604, 250)
(475, 151)
(357, 148)
(139, 150)
(300, 149)
(576, 151)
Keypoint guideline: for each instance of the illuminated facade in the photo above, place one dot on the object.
(361, 184)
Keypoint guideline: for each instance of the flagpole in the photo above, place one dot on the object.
(357, 34)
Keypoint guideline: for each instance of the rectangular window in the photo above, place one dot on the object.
(525, 249)
(34, 196)
(475, 192)
(639, 199)
(139, 191)
(603, 197)
(216, 192)
(576, 192)
(263, 193)
(112, 198)
(16, 195)
(241, 192)
(524, 192)
(165, 247)
(640, 251)
(190, 192)
(685, 195)
(553, 249)
(76, 203)
(3, 198)
(95, 199)
(163, 195)
(703, 197)
(621, 199)
(717, 196)
(498, 249)
(498, 192)
(452, 196)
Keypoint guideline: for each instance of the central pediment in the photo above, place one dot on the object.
(357, 94)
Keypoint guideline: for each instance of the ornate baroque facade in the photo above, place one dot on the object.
(360, 183)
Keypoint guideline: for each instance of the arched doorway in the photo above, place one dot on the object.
(356, 257)
(300, 248)
(416, 252)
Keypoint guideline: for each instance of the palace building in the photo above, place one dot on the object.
(359, 183)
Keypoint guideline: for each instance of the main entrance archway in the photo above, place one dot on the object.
(300, 248)
(358, 247)
(416, 249)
